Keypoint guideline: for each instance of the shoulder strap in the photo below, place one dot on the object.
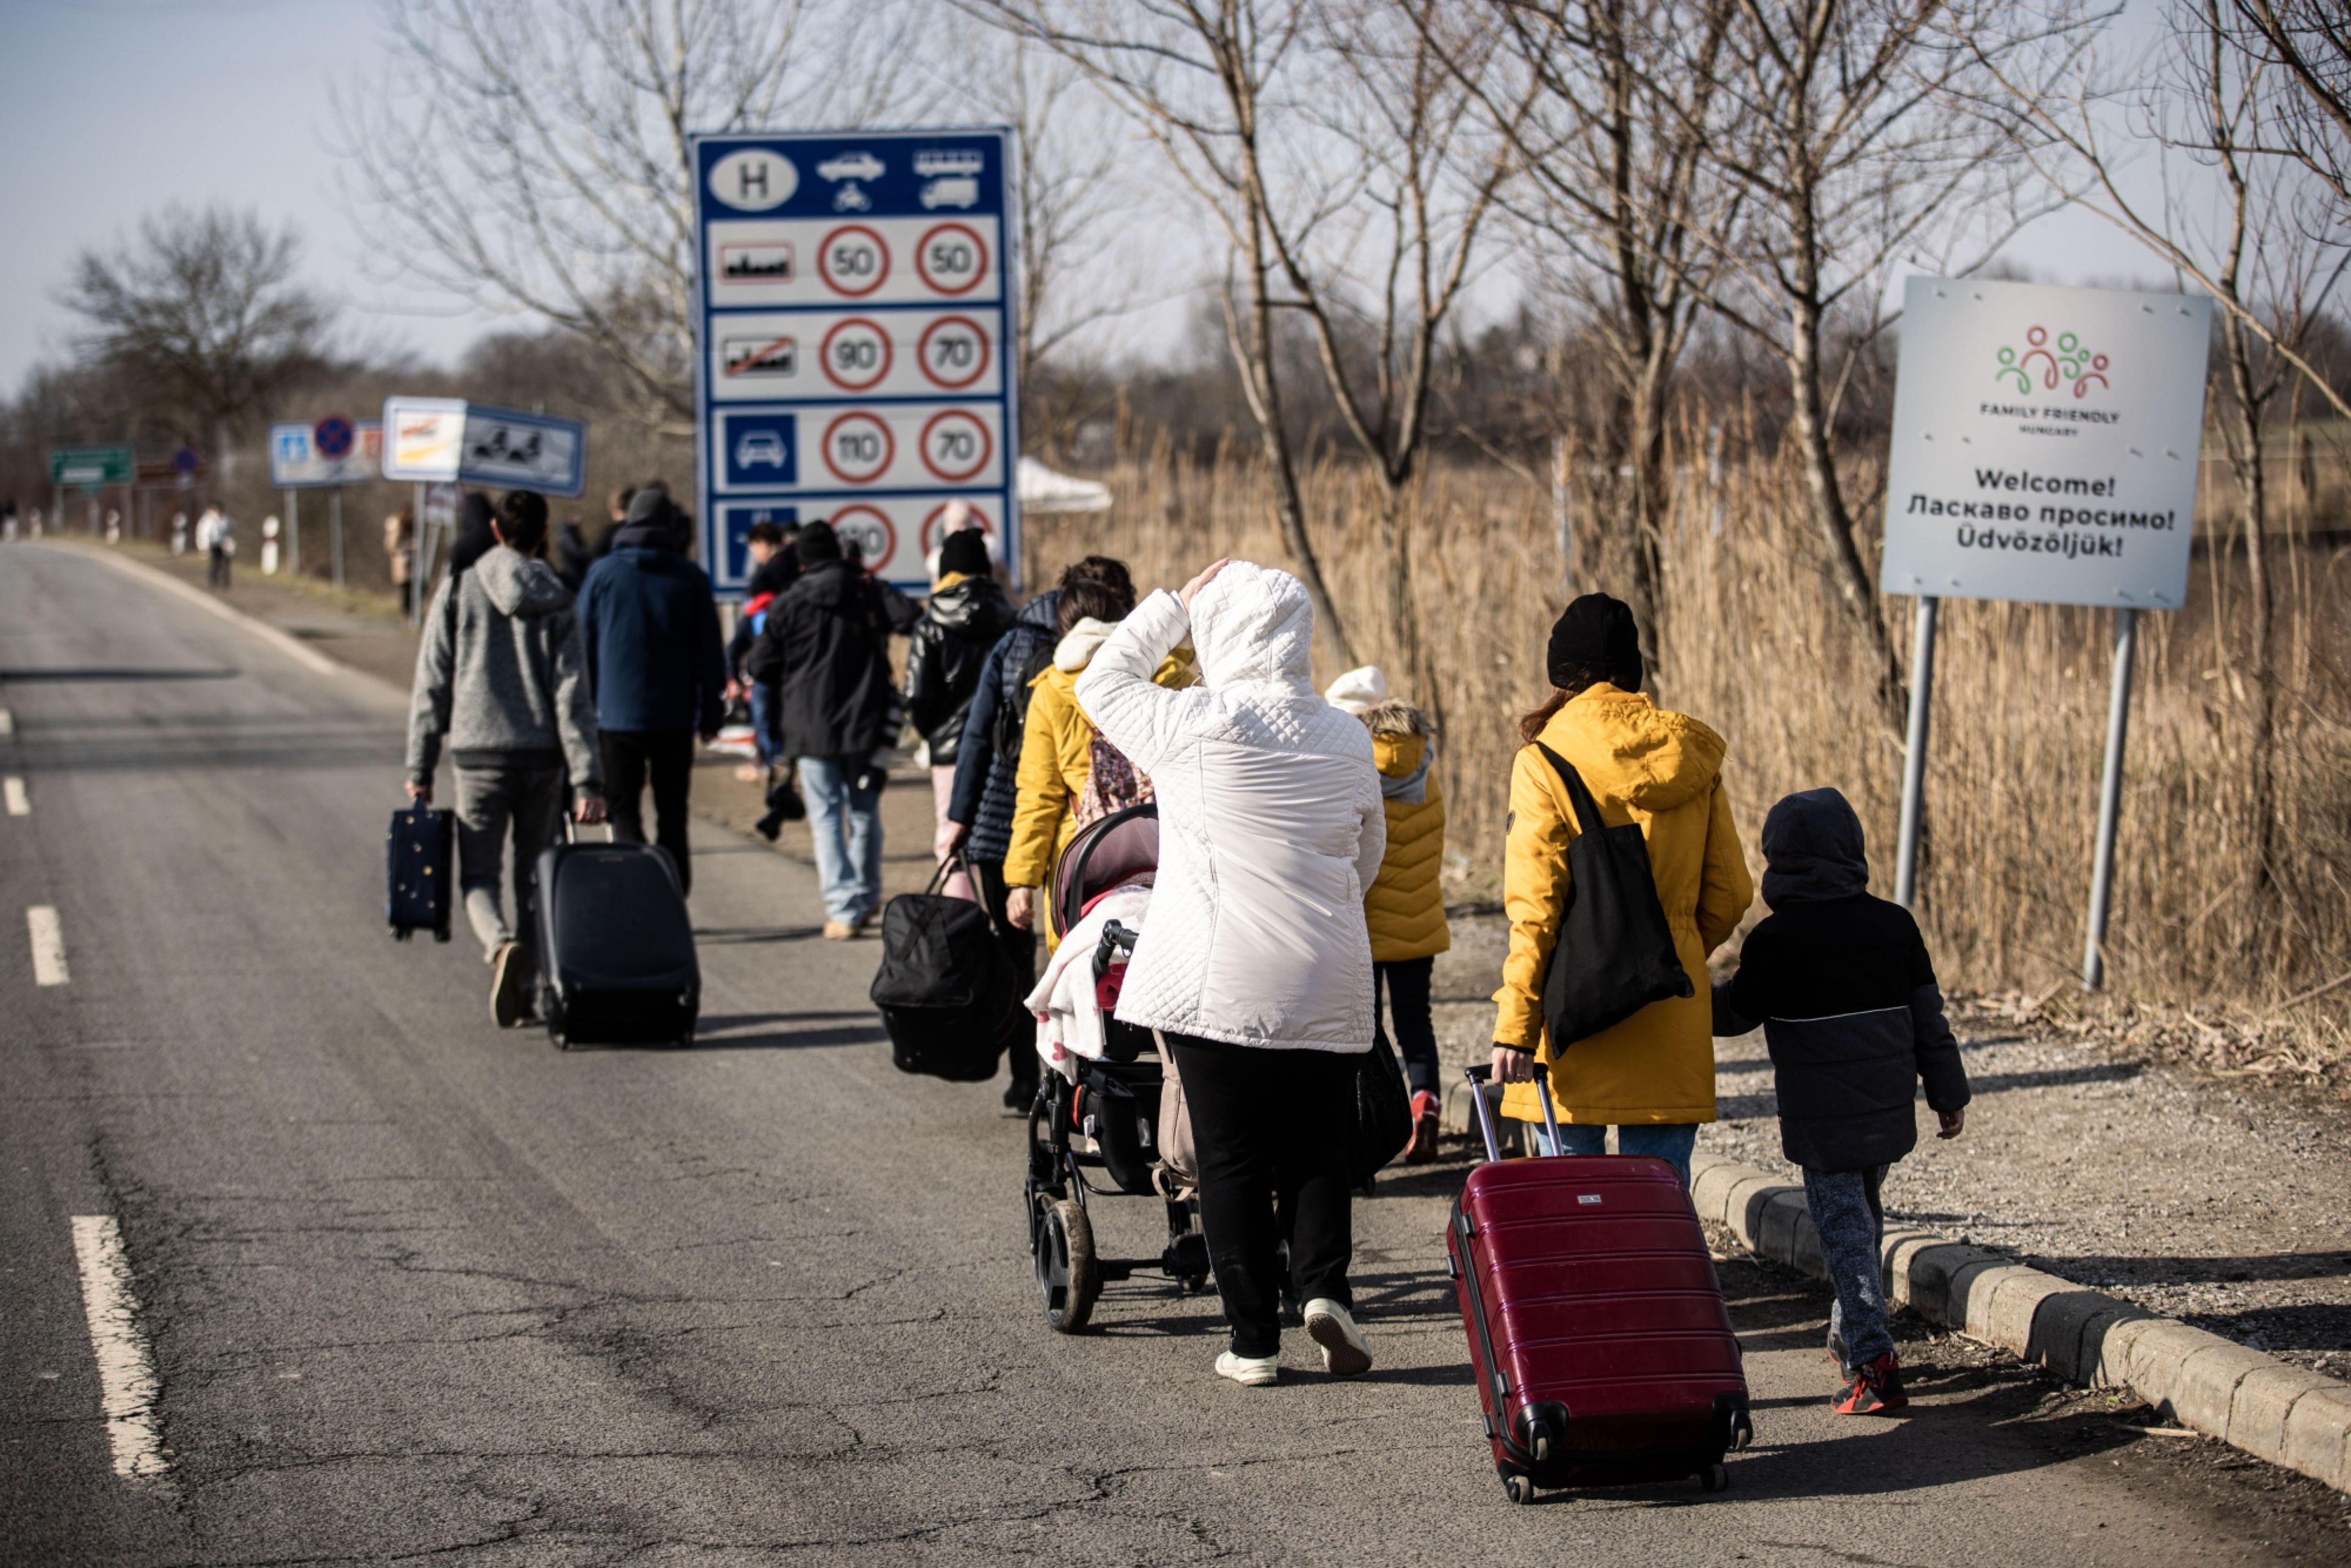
(1588, 819)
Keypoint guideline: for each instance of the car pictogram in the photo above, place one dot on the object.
(851, 166)
(760, 446)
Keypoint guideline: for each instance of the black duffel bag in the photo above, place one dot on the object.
(1615, 953)
(946, 986)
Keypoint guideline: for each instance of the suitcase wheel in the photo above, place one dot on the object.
(1518, 1488)
(1715, 1477)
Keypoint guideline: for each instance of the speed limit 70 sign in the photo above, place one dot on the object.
(855, 309)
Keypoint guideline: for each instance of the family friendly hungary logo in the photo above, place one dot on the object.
(2068, 360)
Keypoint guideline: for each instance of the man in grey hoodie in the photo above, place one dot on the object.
(501, 678)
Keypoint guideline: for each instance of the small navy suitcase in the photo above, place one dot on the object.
(616, 960)
(419, 875)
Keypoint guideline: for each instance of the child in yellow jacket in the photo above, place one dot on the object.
(1405, 906)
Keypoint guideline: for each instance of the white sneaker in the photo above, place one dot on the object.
(1250, 1371)
(1331, 1326)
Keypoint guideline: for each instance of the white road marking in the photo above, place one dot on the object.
(13, 787)
(7, 724)
(48, 945)
(126, 1369)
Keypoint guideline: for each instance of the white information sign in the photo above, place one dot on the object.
(2045, 443)
(296, 463)
(444, 439)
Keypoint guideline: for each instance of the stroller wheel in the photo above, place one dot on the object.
(1063, 1252)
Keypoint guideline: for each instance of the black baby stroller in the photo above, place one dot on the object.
(1113, 1105)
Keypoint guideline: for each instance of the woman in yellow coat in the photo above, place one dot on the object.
(1056, 746)
(1404, 906)
(1651, 1076)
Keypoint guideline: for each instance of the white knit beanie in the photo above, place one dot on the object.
(1358, 689)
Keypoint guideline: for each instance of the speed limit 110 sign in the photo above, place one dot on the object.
(855, 312)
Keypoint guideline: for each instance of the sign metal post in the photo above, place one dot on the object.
(293, 533)
(1913, 752)
(2110, 800)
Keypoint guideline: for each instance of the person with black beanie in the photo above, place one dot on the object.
(1651, 1075)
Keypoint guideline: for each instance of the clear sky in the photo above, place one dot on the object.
(110, 109)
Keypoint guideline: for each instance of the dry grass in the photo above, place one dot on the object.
(1756, 644)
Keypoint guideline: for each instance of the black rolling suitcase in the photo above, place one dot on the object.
(420, 872)
(616, 961)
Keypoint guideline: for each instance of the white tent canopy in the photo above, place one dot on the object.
(1043, 490)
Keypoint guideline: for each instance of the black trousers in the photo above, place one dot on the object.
(667, 756)
(1407, 982)
(1021, 947)
(1269, 1129)
(219, 567)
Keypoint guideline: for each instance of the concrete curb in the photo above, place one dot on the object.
(2283, 1413)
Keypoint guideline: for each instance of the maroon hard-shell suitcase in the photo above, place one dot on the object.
(1596, 1325)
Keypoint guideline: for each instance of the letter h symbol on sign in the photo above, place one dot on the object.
(752, 179)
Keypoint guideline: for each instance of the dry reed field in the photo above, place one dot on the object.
(1755, 641)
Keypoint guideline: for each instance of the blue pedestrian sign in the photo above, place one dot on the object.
(856, 316)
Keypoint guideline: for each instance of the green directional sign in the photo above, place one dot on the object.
(92, 465)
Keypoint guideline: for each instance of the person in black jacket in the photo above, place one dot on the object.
(824, 653)
(1847, 995)
(967, 613)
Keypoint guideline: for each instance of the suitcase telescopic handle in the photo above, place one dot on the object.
(1479, 1076)
(571, 829)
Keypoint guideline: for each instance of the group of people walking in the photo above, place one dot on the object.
(1298, 896)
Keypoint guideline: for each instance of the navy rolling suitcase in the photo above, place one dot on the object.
(420, 857)
(616, 961)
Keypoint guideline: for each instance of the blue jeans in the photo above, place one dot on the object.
(1851, 1220)
(846, 823)
(764, 743)
(1668, 1141)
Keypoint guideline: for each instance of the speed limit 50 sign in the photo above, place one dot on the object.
(855, 311)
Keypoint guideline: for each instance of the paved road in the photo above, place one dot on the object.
(414, 1286)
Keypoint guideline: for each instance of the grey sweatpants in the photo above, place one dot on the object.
(1850, 1222)
(490, 801)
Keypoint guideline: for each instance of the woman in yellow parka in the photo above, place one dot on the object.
(1057, 745)
(1404, 906)
(1651, 1076)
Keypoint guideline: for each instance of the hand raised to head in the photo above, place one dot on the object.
(1192, 588)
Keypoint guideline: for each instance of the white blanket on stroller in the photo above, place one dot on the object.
(1068, 1015)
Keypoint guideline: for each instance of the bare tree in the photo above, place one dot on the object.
(1337, 156)
(1617, 179)
(1861, 134)
(2219, 109)
(203, 311)
(533, 154)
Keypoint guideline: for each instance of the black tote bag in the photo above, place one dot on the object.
(1616, 953)
(1382, 1120)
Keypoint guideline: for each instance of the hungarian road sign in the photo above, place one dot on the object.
(92, 465)
(441, 440)
(855, 309)
(332, 436)
(298, 461)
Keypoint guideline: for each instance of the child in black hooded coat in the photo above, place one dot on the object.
(1847, 995)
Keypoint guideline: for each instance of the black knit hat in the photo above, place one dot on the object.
(1595, 636)
(817, 542)
(964, 550)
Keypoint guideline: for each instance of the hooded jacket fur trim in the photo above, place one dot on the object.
(1270, 829)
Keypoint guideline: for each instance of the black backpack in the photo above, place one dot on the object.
(1012, 706)
(1615, 953)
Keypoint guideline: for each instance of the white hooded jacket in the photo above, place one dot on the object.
(1271, 825)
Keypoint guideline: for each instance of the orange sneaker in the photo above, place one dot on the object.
(1873, 1390)
(1426, 1114)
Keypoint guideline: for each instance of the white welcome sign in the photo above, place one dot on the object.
(2045, 444)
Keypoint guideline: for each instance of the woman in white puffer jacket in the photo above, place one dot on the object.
(1256, 966)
